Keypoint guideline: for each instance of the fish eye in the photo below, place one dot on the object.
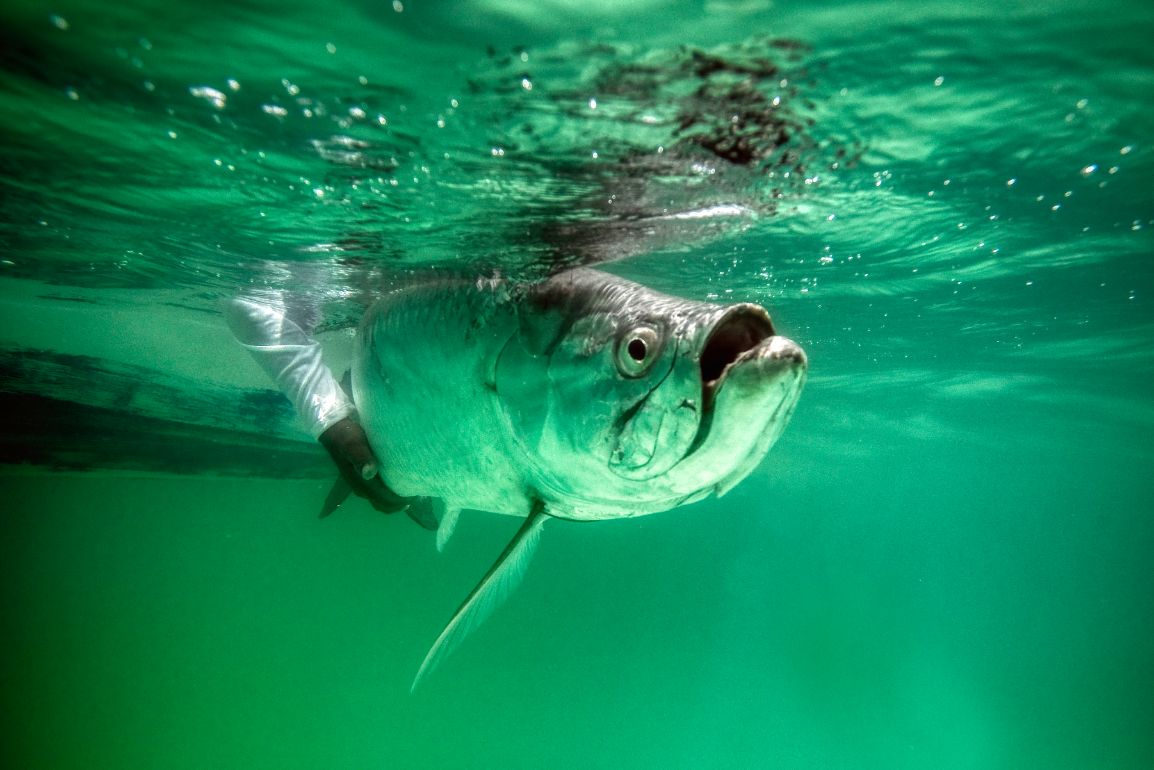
(636, 350)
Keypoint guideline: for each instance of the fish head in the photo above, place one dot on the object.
(629, 401)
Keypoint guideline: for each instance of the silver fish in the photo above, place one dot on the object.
(583, 397)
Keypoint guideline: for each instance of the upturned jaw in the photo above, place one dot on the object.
(753, 375)
(774, 358)
(734, 338)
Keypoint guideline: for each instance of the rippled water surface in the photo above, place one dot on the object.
(945, 562)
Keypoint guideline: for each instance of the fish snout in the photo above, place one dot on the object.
(757, 373)
(785, 351)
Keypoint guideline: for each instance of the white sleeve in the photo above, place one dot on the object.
(292, 359)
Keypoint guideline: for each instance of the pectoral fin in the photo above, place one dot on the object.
(448, 523)
(423, 510)
(337, 495)
(504, 576)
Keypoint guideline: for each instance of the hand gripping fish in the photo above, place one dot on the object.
(584, 397)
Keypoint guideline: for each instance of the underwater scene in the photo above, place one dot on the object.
(946, 560)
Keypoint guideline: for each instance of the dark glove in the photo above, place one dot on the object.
(348, 445)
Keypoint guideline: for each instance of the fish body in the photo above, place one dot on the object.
(493, 397)
(424, 384)
(584, 397)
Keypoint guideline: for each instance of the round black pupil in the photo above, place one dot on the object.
(637, 349)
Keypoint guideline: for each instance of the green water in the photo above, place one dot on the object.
(945, 562)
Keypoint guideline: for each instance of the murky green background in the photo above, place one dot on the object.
(946, 561)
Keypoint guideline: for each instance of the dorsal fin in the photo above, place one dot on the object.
(448, 516)
(504, 576)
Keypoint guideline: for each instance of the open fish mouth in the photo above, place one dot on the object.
(763, 369)
(736, 337)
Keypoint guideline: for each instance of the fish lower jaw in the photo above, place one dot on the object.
(773, 351)
(579, 509)
(771, 356)
(746, 409)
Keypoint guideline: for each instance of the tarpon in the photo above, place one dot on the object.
(582, 397)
